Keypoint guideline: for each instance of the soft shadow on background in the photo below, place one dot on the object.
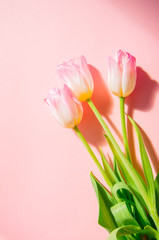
(90, 127)
(143, 12)
(143, 99)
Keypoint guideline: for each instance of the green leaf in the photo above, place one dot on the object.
(106, 201)
(136, 237)
(140, 214)
(117, 171)
(122, 215)
(124, 231)
(146, 167)
(131, 229)
(157, 192)
(151, 232)
(131, 176)
(120, 178)
(111, 176)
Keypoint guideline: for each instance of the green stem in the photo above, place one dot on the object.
(123, 126)
(79, 134)
(106, 129)
(123, 161)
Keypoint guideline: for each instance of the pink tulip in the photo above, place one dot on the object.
(76, 75)
(66, 109)
(122, 74)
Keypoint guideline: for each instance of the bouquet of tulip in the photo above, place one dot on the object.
(130, 208)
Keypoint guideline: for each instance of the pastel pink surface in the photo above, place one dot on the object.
(45, 190)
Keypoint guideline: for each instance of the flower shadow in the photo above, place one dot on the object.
(102, 99)
(144, 94)
(143, 99)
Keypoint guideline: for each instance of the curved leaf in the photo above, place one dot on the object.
(131, 229)
(122, 215)
(140, 214)
(106, 201)
(151, 232)
(120, 179)
(146, 166)
(130, 174)
(124, 231)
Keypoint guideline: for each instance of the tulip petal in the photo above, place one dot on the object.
(129, 76)
(73, 78)
(69, 102)
(76, 75)
(77, 84)
(73, 107)
(54, 102)
(86, 72)
(114, 77)
(80, 111)
(121, 57)
(64, 107)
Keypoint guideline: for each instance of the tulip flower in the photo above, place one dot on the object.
(122, 81)
(76, 75)
(122, 74)
(66, 109)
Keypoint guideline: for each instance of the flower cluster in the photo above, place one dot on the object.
(65, 104)
(130, 209)
(75, 74)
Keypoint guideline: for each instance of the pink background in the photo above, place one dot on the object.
(45, 189)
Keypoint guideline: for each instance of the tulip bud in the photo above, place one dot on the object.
(122, 74)
(66, 109)
(76, 75)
